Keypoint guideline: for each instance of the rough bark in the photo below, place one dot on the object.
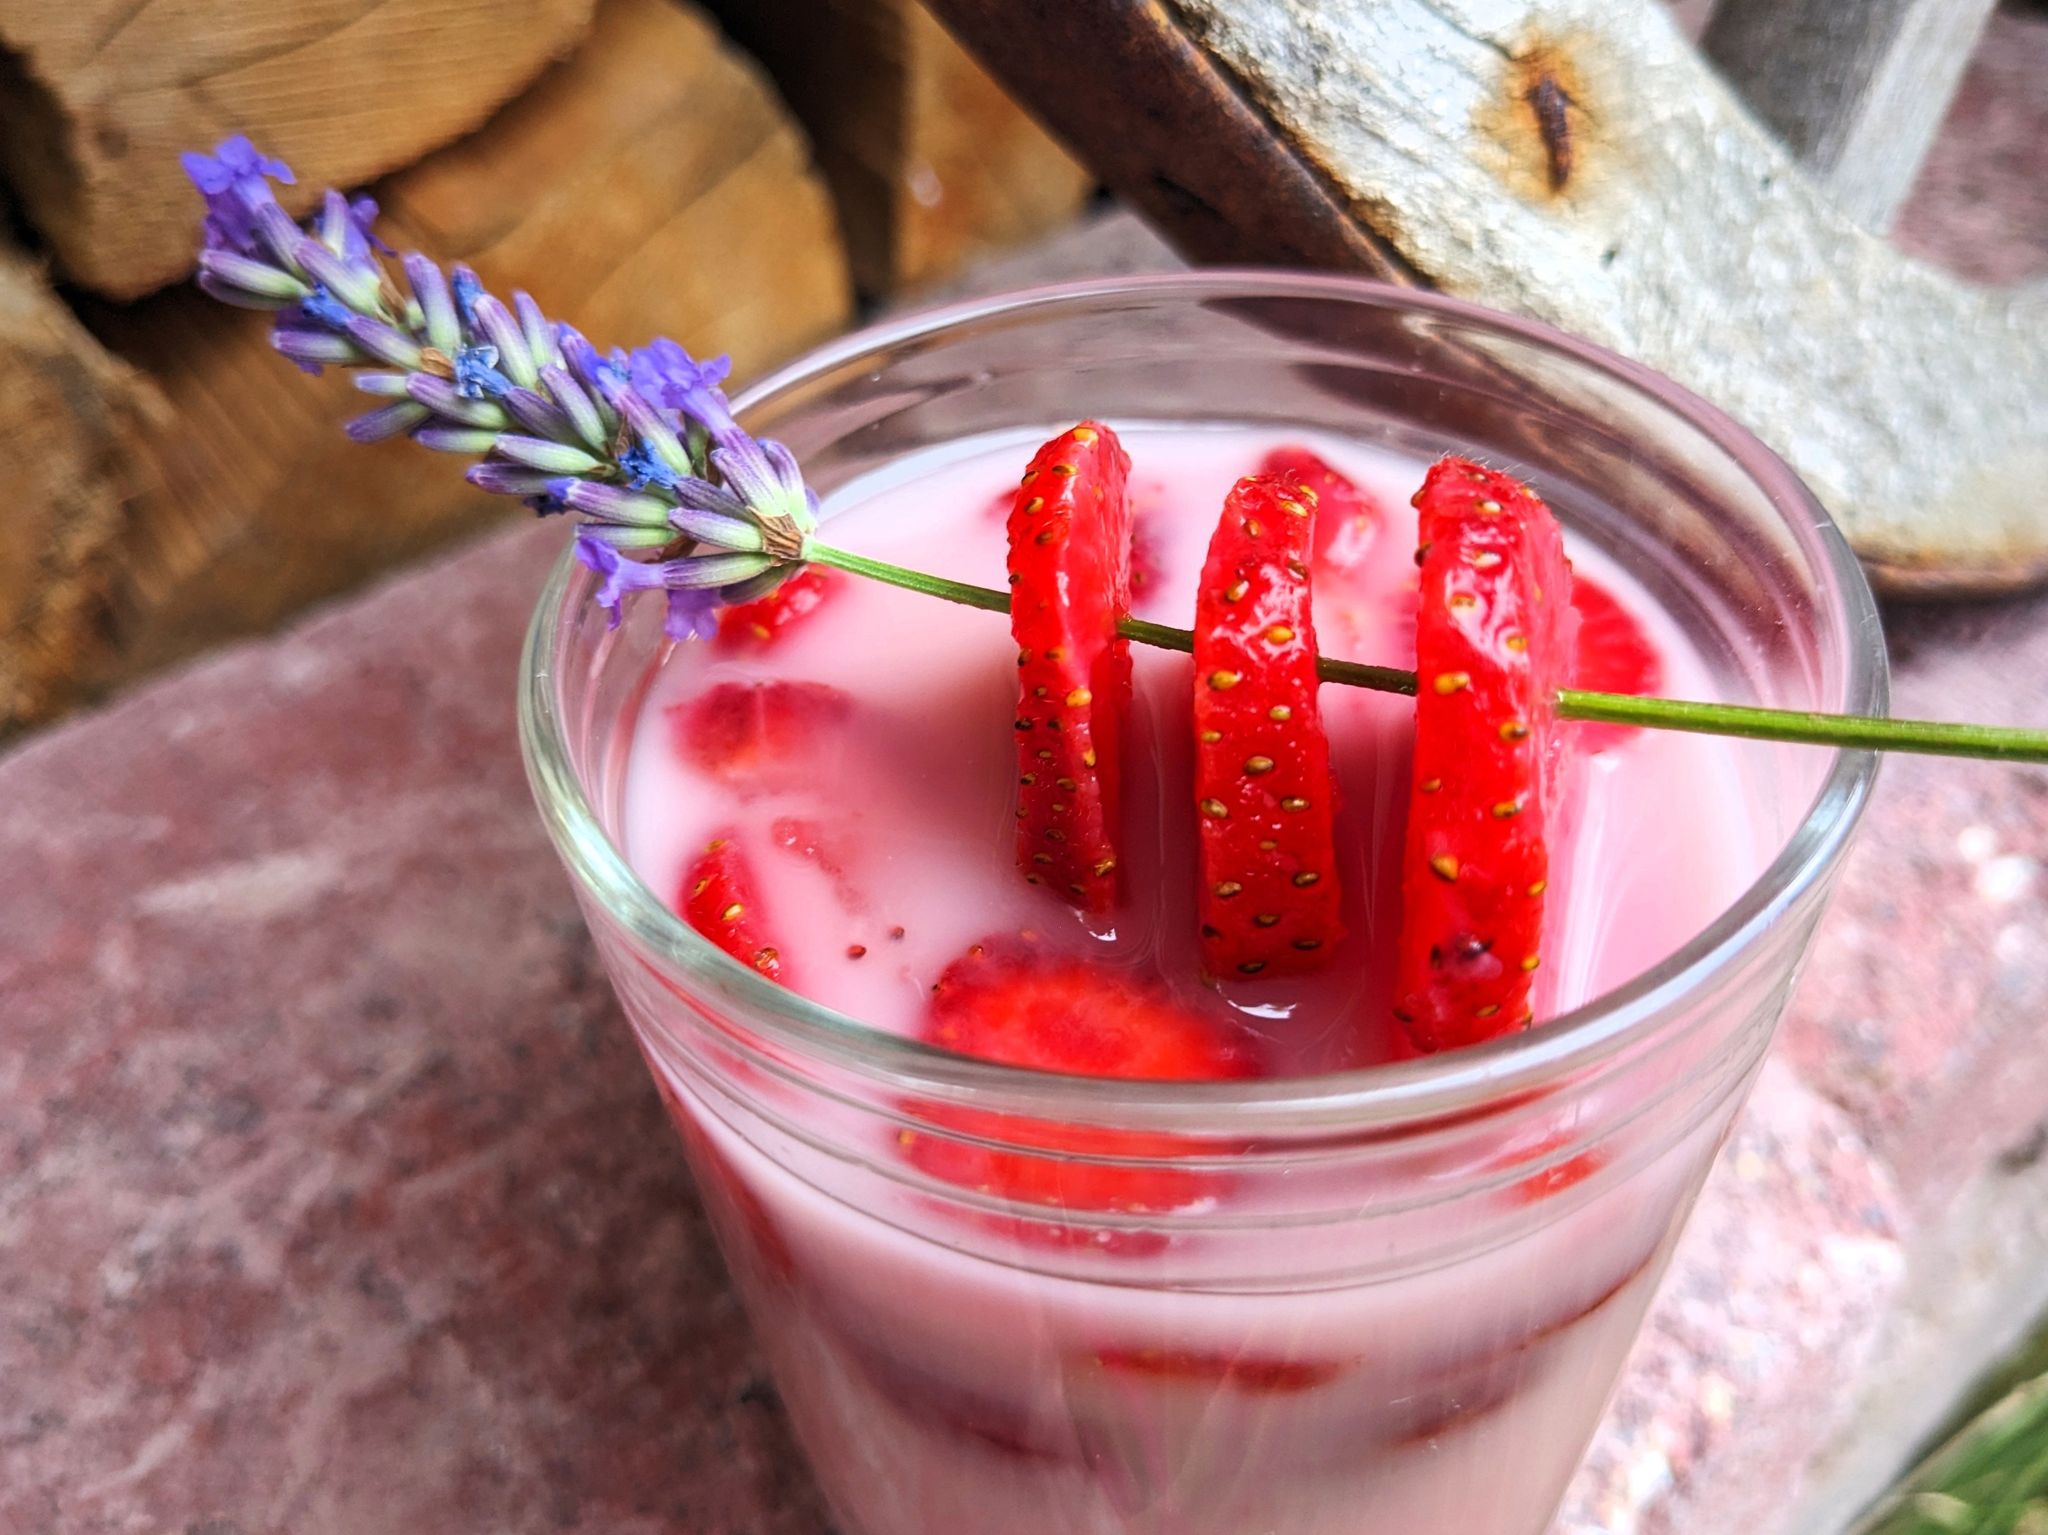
(97, 97)
(71, 424)
(930, 161)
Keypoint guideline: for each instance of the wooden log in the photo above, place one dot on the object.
(1857, 92)
(1579, 162)
(71, 422)
(97, 97)
(931, 163)
(651, 185)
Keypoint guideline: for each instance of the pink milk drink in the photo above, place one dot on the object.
(1349, 1288)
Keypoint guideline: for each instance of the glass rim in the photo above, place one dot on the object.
(1422, 1091)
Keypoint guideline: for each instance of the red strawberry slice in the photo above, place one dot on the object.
(756, 625)
(1348, 519)
(760, 737)
(1493, 642)
(718, 899)
(1264, 798)
(1613, 656)
(1016, 1005)
(1070, 542)
(1247, 1373)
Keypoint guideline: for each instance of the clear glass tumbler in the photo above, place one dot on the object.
(1394, 1299)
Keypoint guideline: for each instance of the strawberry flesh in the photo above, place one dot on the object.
(1264, 798)
(761, 737)
(1010, 1003)
(756, 625)
(1613, 656)
(718, 899)
(1493, 643)
(1070, 540)
(1348, 519)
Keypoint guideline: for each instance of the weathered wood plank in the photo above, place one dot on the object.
(1647, 211)
(930, 161)
(97, 97)
(651, 185)
(71, 425)
(1857, 92)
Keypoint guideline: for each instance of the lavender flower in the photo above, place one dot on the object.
(673, 494)
(670, 376)
(235, 181)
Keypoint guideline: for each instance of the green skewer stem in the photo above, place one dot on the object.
(1999, 743)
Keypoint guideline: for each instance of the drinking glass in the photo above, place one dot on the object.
(1394, 1298)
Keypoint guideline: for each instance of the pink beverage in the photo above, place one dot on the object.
(944, 1389)
(1358, 1290)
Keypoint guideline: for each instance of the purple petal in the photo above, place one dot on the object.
(692, 615)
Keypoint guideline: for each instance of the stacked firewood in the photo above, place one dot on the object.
(167, 486)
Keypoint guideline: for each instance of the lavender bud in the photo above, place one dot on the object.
(376, 425)
(508, 480)
(719, 532)
(390, 386)
(468, 288)
(713, 570)
(274, 227)
(437, 304)
(539, 331)
(608, 503)
(314, 346)
(384, 342)
(469, 441)
(440, 397)
(355, 286)
(705, 496)
(650, 428)
(576, 405)
(554, 457)
(496, 322)
(627, 537)
(537, 414)
(258, 279)
(241, 298)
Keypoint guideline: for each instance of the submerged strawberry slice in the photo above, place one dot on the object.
(1070, 540)
(1017, 1006)
(1493, 642)
(1264, 798)
(718, 899)
(1613, 655)
(1243, 1372)
(1348, 519)
(761, 736)
(759, 624)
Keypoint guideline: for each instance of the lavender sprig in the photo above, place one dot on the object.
(671, 495)
(642, 448)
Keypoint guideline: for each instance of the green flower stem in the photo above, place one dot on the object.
(1853, 731)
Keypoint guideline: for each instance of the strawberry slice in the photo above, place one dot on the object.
(718, 900)
(756, 625)
(1264, 798)
(1493, 641)
(760, 737)
(1348, 519)
(1070, 541)
(1014, 1004)
(1613, 656)
(1251, 1374)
